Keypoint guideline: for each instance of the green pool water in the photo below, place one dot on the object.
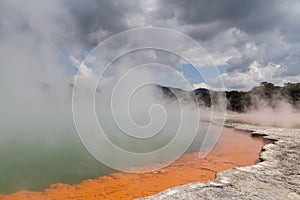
(35, 163)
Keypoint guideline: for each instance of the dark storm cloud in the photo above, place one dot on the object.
(95, 20)
(205, 11)
(252, 16)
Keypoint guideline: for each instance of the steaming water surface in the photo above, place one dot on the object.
(39, 145)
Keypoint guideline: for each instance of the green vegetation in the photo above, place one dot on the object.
(266, 94)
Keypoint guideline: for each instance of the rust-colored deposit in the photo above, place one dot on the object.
(233, 149)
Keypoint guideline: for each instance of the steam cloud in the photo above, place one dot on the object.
(274, 111)
(129, 102)
(282, 115)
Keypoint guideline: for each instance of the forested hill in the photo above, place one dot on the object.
(266, 94)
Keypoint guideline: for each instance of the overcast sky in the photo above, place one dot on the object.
(256, 40)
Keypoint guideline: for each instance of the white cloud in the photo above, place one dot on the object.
(246, 80)
(200, 85)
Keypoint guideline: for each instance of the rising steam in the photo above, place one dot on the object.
(271, 106)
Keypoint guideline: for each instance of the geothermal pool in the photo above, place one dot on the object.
(234, 148)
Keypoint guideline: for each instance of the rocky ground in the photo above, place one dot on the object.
(277, 176)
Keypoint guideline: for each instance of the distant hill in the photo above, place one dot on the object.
(266, 94)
